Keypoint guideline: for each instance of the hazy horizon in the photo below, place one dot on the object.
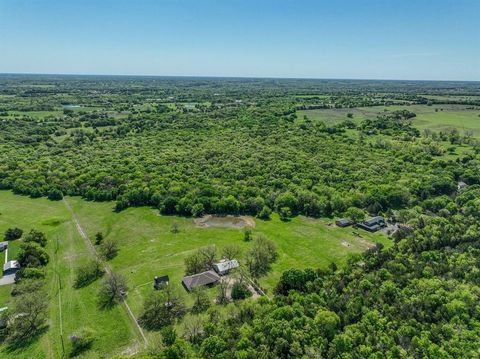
(371, 40)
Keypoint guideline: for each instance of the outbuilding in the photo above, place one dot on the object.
(373, 224)
(208, 278)
(225, 266)
(343, 222)
(160, 282)
(11, 267)
(3, 246)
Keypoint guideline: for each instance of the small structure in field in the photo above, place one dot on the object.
(208, 278)
(343, 222)
(373, 224)
(11, 267)
(3, 246)
(461, 185)
(160, 282)
(225, 266)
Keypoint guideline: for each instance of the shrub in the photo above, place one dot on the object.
(37, 237)
(161, 308)
(32, 254)
(55, 194)
(112, 290)
(240, 291)
(13, 233)
(27, 286)
(29, 273)
(260, 256)
(202, 302)
(88, 273)
(109, 249)
(265, 213)
(98, 238)
(285, 213)
(247, 234)
(81, 341)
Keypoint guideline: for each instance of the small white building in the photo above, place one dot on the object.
(11, 267)
(225, 266)
(3, 246)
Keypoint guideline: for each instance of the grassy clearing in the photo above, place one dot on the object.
(147, 248)
(436, 117)
(78, 307)
(36, 114)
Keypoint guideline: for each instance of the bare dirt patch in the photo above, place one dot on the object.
(358, 242)
(365, 244)
(225, 221)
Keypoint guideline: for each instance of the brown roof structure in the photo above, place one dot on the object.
(200, 279)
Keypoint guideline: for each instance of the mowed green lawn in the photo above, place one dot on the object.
(149, 248)
(113, 330)
(445, 118)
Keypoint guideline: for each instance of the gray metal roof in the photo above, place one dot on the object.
(11, 265)
(226, 265)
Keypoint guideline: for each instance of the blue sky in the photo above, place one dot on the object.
(370, 39)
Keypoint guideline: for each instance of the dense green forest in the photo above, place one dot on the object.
(417, 300)
(195, 146)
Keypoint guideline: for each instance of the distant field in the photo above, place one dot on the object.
(435, 117)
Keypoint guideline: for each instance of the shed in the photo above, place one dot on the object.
(11, 267)
(160, 282)
(207, 278)
(3, 246)
(343, 222)
(225, 266)
(373, 224)
(461, 185)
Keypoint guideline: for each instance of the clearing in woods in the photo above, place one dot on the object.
(436, 117)
(147, 247)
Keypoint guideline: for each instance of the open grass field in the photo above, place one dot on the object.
(147, 248)
(436, 117)
(75, 307)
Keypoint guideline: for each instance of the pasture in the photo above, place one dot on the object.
(436, 117)
(73, 308)
(148, 248)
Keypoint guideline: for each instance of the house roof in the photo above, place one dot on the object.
(11, 265)
(200, 279)
(374, 221)
(226, 265)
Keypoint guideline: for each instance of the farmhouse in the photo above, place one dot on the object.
(160, 282)
(3, 246)
(207, 278)
(11, 267)
(343, 222)
(373, 224)
(225, 266)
